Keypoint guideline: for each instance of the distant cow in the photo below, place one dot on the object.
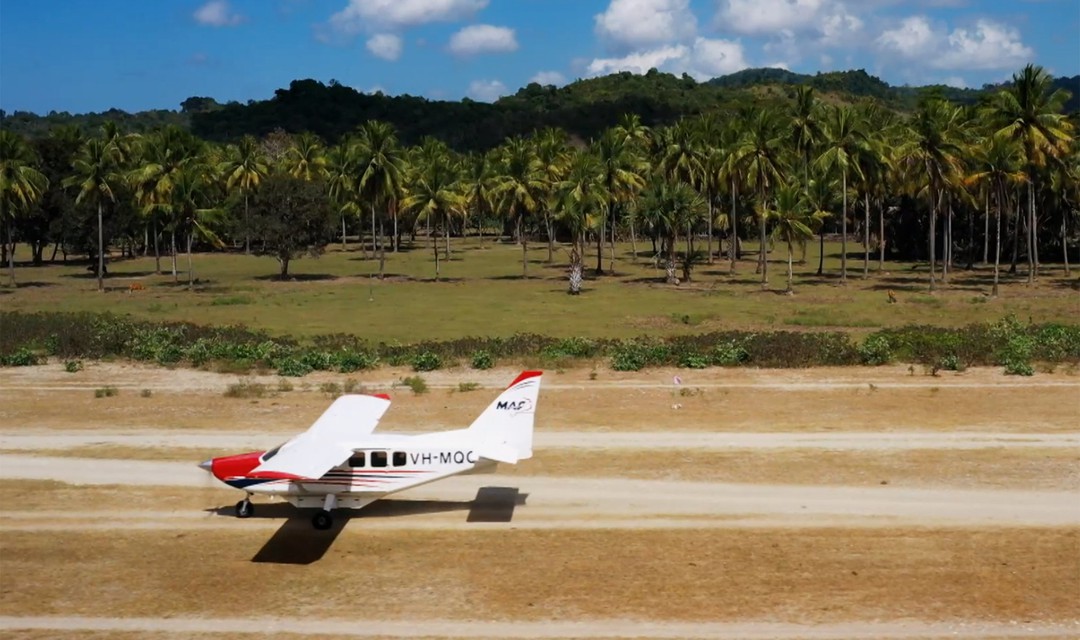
(136, 286)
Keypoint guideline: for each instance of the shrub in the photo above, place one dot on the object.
(349, 361)
(333, 389)
(952, 363)
(145, 393)
(352, 385)
(482, 360)
(245, 389)
(426, 361)
(293, 368)
(73, 366)
(106, 392)
(23, 357)
(465, 387)
(416, 383)
(875, 349)
(693, 361)
(284, 386)
(729, 354)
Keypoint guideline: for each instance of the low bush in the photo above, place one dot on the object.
(416, 383)
(483, 360)
(73, 366)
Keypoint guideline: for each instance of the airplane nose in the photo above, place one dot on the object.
(207, 465)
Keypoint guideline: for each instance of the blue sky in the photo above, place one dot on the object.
(81, 56)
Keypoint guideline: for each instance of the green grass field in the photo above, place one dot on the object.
(482, 294)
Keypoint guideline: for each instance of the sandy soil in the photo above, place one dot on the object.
(825, 503)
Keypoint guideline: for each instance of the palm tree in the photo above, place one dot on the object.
(581, 198)
(793, 222)
(341, 173)
(191, 216)
(845, 142)
(243, 170)
(306, 159)
(1030, 113)
(553, 153)
(435, 196)
(96, 176)
(672, 206)
(997, 162)
(757, 156)
(476, 184)
(805, 128)
(622, 169)
(936, 145)
(519, 183)
(21, 186)
(381, 166)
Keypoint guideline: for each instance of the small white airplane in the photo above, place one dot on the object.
(339, 463)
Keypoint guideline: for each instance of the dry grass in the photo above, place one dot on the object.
(816, 576)
(723, 404)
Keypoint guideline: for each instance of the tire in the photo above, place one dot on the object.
(322, 520)
(244, 509)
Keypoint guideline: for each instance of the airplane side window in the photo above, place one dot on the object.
(271, 453)
(378, 458)
(399, 459)
(357, 460)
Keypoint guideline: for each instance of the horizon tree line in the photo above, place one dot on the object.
(1012, 163)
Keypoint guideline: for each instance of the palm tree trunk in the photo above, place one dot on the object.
(10, 224)
(374, 236)
(866, 238)
(550, 237)
(843, 234)
(1065, 243)
(1016, 237)
(447, 232)
(435, 250)
(881, 237)
(790, 290)
(172, 236)
(946, 251)
(764, 256)
(986, 230)
(396, 236)
(101, 250)
(599, 248)
(997, 243)
(247, 227)
(633, 240)
(1034, 237)
(709, 261)
(611, 246)
(157, 252)
(190, 271)
(380, 239)
(525, 251)
(933, 239)
(1029, 236)
(733, 249)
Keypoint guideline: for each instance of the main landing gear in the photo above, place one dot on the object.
(322, 519)
(244, 508)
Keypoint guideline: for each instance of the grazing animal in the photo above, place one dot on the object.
(136, 286)
(892, 296)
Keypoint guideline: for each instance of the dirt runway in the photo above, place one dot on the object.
(833, 503)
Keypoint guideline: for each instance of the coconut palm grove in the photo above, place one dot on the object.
(692, 171)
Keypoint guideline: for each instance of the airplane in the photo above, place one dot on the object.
(340, 463)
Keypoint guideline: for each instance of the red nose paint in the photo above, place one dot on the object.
(233, 466)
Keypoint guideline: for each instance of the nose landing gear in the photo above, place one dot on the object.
(244, 508)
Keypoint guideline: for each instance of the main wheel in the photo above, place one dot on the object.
(244, 509)
(322, 520)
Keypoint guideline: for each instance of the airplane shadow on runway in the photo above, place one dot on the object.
(297, 542)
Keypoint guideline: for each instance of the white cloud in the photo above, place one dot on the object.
(705, 58)
(390, 15)
(486, 90)
(548, 77)
(643, 23)
(483, 38)
(986, 45)
(217, 13)
(770, 16)
(385, 45)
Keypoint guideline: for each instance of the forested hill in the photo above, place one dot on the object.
(858, 83)
(582, 108)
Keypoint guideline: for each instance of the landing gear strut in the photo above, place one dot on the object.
(322, 519)
(244, 508)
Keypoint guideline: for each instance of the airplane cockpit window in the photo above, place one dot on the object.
(399, 459)
(357, 460)
(378, 458)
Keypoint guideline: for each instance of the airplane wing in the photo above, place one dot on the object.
(324, 445)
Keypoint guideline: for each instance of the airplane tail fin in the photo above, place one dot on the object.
(505, 428)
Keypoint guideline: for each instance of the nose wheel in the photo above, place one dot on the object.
(244, 508)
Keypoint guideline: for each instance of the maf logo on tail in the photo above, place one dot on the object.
(515, 406)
